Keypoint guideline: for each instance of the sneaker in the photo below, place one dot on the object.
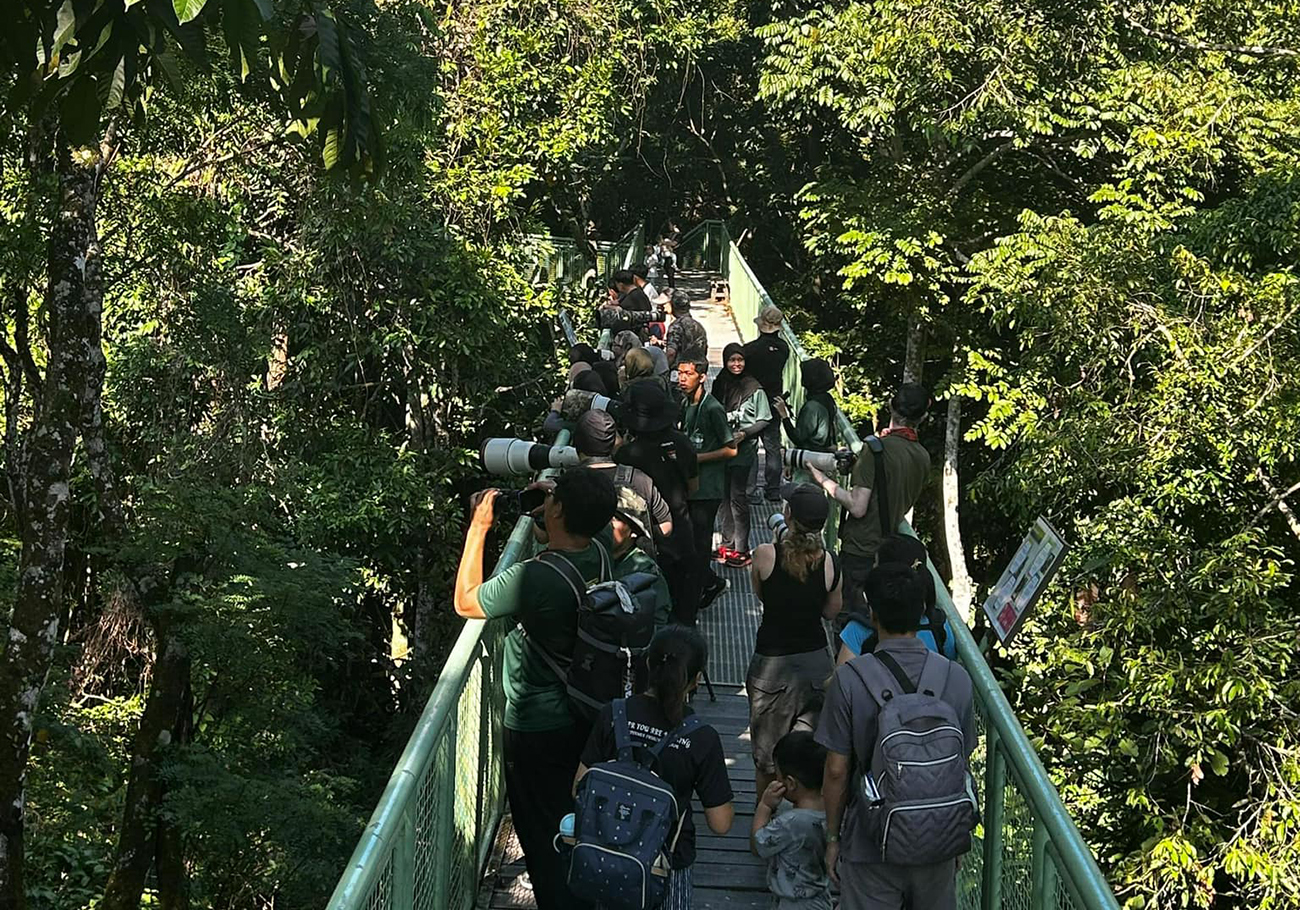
(773, 497)
(738, 559)
(724, 554)
(713, 592)
(755, 498)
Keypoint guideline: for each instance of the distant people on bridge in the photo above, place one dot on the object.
(748, 414)
(543, 737)
(798, 583)
(704, 421)
(642, 276)
(667, 456)
(859, 637)
(693, 763)
(765, 359)
(794, 841)
(883, 858)
(687, 338)
(667, 252)
(895, 477)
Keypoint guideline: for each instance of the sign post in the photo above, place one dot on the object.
(1040, 555)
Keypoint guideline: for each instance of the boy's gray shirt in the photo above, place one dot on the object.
(848, 727)
(794, 845)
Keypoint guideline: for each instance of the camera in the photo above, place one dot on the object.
(840, 461)
(520, 456)
(618, 317)
(776, 524)
(512, 503)
(579, 401)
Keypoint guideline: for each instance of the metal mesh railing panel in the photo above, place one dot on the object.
(1017, 849)
(970, 878)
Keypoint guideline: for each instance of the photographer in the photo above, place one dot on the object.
(815, 427)
(596, 437)
(905, 468)
(668, 457)
(543, 742)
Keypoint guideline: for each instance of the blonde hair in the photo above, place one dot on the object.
(801, 550)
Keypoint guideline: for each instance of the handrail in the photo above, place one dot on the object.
(1055, 842)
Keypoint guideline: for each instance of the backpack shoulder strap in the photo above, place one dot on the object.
(893, 667)
(881, 489)
(564, 567)
(875, 677)
(934, 675)
(606, 567)
(689, 725)
(623, 474)
(622, 732)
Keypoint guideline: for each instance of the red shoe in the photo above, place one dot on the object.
(738, 559)
(723, 554)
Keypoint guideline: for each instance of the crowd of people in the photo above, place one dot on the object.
(855, 748)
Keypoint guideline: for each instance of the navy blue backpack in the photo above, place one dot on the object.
(626, 824)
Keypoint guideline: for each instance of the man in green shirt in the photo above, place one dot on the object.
(543, 741)
(704, 421)
(907, 468)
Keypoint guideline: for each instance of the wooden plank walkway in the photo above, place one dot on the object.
(727, 875)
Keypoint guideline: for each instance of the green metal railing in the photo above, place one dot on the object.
(431, 834)
(1029, 853)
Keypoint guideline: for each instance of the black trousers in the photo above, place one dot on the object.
(855, 570)
(703, 514)
(539, 786)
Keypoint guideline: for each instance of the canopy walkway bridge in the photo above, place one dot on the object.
(439, 839)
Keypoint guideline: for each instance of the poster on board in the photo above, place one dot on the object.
(1036, 561)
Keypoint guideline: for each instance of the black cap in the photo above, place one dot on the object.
(911, 402)
(645, 407)
(808, 504)
(595, 433)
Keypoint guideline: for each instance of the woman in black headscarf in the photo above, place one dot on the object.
(815, 427)
(748, 413)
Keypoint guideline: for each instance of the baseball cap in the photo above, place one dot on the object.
(911, 401)
(595, 433)
(808, 504)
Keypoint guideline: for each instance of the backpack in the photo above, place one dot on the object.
(633, 504)
(919, 795)
(626, 824)
(615, 625)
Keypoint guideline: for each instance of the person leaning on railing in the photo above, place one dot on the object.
(543, 741)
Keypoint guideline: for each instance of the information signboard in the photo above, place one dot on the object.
(1023, 581)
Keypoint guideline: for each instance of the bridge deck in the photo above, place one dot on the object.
(727, 875)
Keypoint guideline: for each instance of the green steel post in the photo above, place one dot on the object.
(444, 817)
(402, 893)
(482, 820)
(1040, 895)
(995, 779)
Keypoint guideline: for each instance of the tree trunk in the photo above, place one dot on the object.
(914, 363)
(72, 306)
(145, 835)
(962, 589)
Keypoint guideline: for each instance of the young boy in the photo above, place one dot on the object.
(794, 843)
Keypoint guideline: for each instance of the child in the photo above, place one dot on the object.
(794, 843)
(694, 764)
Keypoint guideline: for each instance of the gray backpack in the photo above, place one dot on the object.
(919, 797)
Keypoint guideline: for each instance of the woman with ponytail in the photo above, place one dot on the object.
(692, 764)
(798, 582)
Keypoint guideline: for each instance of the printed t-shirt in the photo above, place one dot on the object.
(848, 726)
(751, 411)
(907, 467)
(705, 425)
(536, 595)
(693, 763)
(794, 845)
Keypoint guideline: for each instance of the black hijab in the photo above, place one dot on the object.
(731, 390)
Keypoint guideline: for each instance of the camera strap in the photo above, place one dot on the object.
(880, 489)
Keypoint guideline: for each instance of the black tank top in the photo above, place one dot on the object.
(792, 611)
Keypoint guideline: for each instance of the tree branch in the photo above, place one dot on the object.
(1255, 50)
(980, 165)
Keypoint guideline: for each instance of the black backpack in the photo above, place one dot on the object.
(615, 624)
